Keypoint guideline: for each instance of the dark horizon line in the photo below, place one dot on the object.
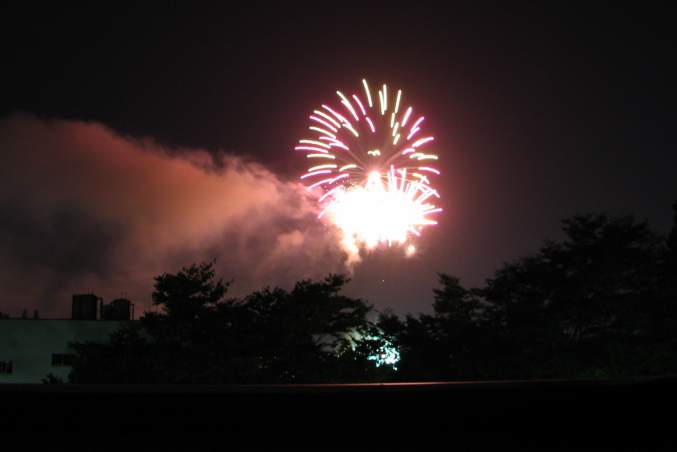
(412, 386)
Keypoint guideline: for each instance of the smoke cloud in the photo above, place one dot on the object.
(83, 209)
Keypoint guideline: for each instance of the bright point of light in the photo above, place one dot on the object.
(318, 167)
(386, 355)
(385, 97)
(406, 116)
(315, 173)
(310, 148)
(324, 123)
(353, 131)
(413, 132)
(337, 115)
(327, 117)
(371, 125)
(418, 121)
(319, 143)
(322, 131)
(359, 104)
(427, 168)
(376, 213)
(387, 201)
(366, 90)
(418, 143)
(348, 105)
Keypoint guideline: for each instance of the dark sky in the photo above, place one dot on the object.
(537, 113)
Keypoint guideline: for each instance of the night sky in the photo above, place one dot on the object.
(537, 114)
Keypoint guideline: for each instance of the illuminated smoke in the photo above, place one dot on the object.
(86, 209)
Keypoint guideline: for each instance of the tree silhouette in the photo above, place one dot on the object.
(310, 334)
(575, 305)
(589, 305)
(664, 310)
(600, 302)
(672, 237)
(126, 358)
(190, 293)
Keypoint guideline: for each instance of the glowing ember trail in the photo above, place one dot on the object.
(375, 192)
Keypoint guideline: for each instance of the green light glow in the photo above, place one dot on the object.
(387, 355)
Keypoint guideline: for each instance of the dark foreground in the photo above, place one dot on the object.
(637, 413)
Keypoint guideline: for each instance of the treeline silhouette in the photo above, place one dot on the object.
(600, 303)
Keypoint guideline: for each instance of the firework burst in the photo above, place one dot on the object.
(372, 170)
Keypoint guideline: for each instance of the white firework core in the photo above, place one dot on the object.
(372, 171)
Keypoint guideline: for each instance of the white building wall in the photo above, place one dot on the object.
(29, 344)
